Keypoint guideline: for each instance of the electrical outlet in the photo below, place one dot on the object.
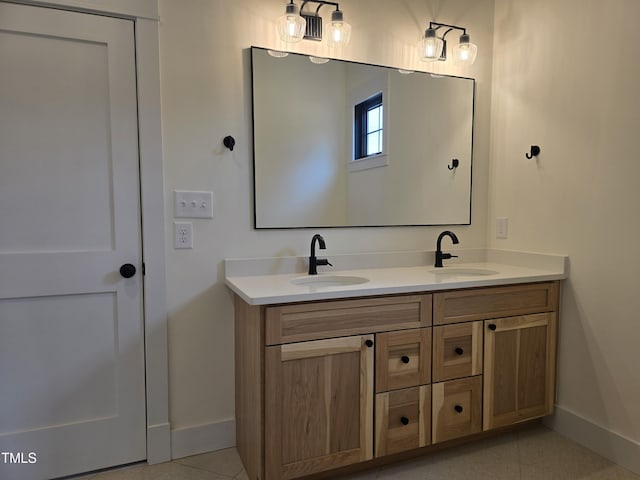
(183, 235)
(502, 227)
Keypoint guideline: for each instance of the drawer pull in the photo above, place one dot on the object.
(492, 327)
(369, 343)
(404, 420)
(458, 408)
(459, 351)
(405, 359)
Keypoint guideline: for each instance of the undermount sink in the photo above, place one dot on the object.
(463, 272)
(329, 280)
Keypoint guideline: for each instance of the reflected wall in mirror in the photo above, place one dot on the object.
(305, 133)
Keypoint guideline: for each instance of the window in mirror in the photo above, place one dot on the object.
(368, 129)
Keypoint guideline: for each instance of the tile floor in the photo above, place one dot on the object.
(535, 453)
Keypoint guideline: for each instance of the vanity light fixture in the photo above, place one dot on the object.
(434, 47)
(297, 24)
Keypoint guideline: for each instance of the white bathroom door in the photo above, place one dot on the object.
(72, 386)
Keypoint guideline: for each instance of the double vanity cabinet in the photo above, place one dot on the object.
(328, 383)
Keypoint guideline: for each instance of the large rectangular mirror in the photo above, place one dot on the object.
(344, 144)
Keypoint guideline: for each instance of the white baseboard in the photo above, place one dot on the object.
(203, 438)
(620, 450)
(158, 443)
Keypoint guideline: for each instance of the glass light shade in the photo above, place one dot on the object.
(339, 31)
(465, 52)
(318, 60)
(291, 25)
(430, 46)
(277, 53)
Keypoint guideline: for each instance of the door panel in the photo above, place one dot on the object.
(70, 326)
(41, 216)
(37, 332)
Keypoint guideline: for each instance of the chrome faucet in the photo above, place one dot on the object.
(444, 256)
(313, 261)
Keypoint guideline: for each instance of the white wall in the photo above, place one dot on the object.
(205, 82)
(566, 77)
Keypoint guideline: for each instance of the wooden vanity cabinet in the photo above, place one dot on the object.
(325, 384)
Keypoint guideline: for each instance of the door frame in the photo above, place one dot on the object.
(144, 14)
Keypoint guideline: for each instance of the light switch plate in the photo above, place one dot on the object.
(189, 204)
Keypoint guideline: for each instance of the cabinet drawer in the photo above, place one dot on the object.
(403, 419)
(403, 359)
(457, 408)
(457, 351)
(317, 320)
(494, 302)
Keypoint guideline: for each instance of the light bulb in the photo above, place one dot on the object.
(339, 32)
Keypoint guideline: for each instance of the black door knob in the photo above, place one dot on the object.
(405, 359)
(458, 408)
(492, 327)
(127, 270)
(459, 351)
(369, 343)
(404, 420)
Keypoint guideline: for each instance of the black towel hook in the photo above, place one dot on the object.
(535, 151)
(229, 142)
(454, 164)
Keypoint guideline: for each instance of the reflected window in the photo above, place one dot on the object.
(368, 127)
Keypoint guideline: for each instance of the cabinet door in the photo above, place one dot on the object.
(319, 405)
(519, 368)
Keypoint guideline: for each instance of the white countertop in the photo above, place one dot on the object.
(511, 267)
